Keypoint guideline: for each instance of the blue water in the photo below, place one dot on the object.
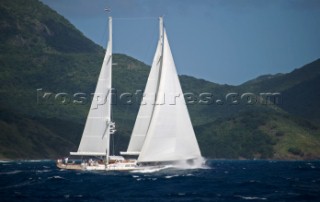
(222, 181)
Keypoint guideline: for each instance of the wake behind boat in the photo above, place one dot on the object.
(163, 132)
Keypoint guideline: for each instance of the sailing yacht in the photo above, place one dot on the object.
(163, 132)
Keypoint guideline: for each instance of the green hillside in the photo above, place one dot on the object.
(42, 54)
(260, 134)
(287, 130)
(299, 89)
(282, 82)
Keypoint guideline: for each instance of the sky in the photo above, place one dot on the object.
(223, 41)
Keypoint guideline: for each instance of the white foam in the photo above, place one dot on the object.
(171, 176)
(199, 163)
(251, 197)
(11, 172)
(56, 177)
(5, 161)
(43, 171)
(151, 169)
(36, 160)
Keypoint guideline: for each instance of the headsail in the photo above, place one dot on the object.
(96, 135)
(170, 136)
(144, 116)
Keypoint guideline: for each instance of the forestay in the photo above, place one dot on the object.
(170, 135)
(144, 116)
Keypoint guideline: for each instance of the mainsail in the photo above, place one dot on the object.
(163, 129)
(96, 135)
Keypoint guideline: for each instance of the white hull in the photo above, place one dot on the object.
(132, 165)
(124, 166)
(121, 166)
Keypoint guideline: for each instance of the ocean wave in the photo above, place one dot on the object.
(11, 172)
(251, 197)
(6, 161)
(57, 177)
(21, 184)
(43, 171)
(22, 161)
(260, 181)
(67, 196)
(171, 176)
(199, 163)
(35, 160)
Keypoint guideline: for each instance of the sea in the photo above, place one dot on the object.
(219, 180)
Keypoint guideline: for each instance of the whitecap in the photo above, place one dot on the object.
(251, 197)
(36, 160)
(43, 171)
(199, 163)
(171, 176)
(11, 172)
(5, 161)
(56, 177)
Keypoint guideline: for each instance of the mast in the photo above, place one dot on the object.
(170, 135)
(146, 109)
(110, 124)
(161, 30)
(160, 62)
(110, 34)
(161, 39)
(95, 140)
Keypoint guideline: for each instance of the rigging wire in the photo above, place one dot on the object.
(147, 52)
(135, 18)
